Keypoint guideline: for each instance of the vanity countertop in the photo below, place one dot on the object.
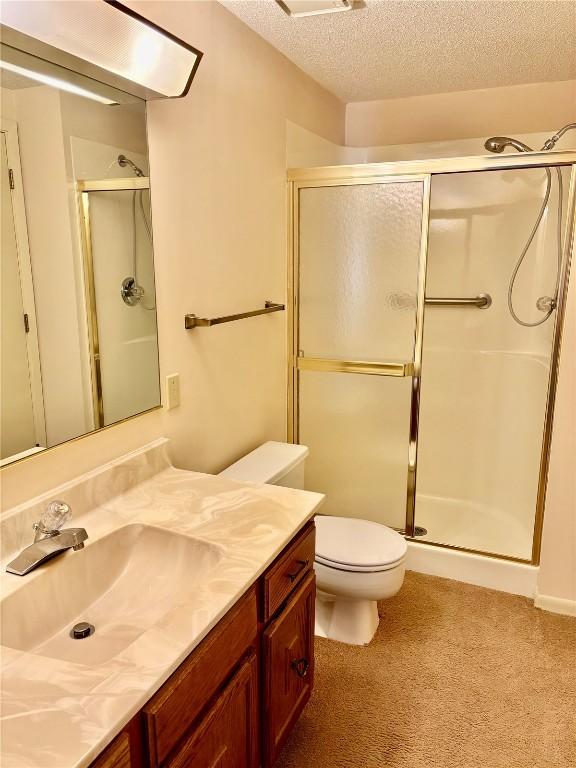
(61, 714)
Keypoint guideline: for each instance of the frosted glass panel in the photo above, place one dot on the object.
(359, 249)
(356, 428)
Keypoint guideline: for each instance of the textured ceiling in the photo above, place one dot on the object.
(395, 48)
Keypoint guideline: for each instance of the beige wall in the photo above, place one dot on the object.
(217, 162)
(461, 115)
(218, 165)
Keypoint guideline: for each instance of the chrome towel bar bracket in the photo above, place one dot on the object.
(192, 321)
(482, 301)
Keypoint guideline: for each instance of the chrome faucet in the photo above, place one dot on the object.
(49, 540)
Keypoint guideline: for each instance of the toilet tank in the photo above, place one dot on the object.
(274, 463)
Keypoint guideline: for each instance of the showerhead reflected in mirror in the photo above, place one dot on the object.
(79, 347)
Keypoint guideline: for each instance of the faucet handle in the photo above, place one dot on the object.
(54, 516)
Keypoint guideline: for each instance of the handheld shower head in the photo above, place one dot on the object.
(495, 144)
(498, 144)
(123, 161)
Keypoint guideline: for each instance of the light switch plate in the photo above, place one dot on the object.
(172, 391)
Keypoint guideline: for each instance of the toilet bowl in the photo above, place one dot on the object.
(357, 563)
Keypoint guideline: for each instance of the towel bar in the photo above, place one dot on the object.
(191, 321)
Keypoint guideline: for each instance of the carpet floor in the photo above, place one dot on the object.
(456, 677)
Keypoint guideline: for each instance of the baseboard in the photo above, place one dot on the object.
(502, 575)
(555, 604)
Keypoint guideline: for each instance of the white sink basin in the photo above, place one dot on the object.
(123, 584)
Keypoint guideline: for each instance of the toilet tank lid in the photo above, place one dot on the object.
(267, 463)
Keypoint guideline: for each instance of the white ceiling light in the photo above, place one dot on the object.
(55, 82)
(314, 7)
(107, 37)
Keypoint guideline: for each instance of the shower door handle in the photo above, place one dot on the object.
(482, 301)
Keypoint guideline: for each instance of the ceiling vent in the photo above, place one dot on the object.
(314, 7)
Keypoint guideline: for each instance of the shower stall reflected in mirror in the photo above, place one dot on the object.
(424, 348)
(120, 296)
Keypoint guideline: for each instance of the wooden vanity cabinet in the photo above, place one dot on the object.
(127, 750)
(234, 700)
(227, 735)
(117, 754)
(200, 680)
(287, 668)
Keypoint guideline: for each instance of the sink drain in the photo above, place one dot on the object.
(81, 630)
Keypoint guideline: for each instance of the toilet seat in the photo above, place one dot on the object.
(358, 546)
(356, 568)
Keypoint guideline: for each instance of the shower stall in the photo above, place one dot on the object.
(426, 405)
(119, 291)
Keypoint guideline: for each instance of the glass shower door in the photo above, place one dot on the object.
(357, 278)
(485, 376)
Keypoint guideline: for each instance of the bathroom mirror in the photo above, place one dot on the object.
(79, 346)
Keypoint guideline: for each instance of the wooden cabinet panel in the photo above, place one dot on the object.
(116, 754)
(288, 668)
(127, 749)
(227, 735)
(170, 713)
(288, 571)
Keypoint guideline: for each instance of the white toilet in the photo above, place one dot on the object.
(358, 562)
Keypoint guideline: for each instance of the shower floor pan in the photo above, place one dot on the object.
(465, 524)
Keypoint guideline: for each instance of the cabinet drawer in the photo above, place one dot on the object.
(288, 664)
(289, 570)
(227, 735)
(171, 712)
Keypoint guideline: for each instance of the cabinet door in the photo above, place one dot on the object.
(179, 703)
(117, 755)
(288, 663)
(127, 749)
(227, 735)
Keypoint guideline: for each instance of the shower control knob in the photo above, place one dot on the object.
(546, 304)
(131, 292)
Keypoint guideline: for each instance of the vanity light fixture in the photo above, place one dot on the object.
(314, 7)
(105, 41)
(55, 82)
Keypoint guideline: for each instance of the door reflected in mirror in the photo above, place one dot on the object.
(79, 345)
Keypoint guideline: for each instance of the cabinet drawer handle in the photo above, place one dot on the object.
(300, 666)
(301, 565)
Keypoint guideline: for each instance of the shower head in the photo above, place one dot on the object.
(498, 144)
(123, 161)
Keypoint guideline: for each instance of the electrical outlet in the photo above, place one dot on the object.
(172, 391)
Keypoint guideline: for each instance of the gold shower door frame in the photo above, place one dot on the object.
(422, 171)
